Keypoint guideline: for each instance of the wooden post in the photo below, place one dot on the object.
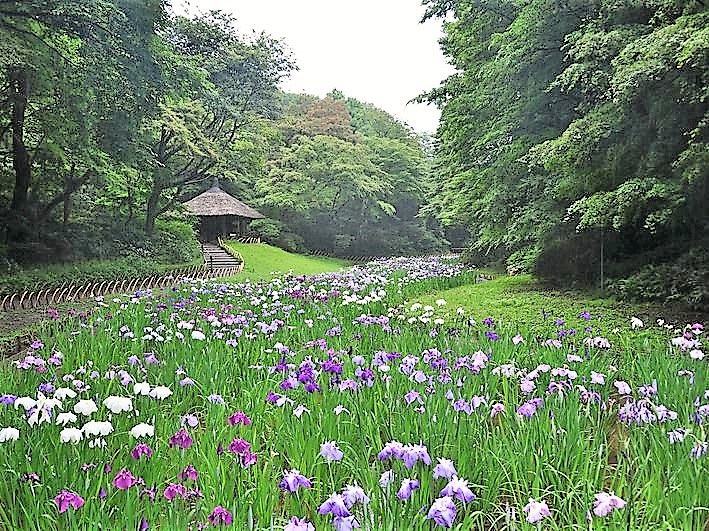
(602, 258)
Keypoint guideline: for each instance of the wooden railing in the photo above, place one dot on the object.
(52, 296)
(359, 259)
(244, 239)
(231, 252)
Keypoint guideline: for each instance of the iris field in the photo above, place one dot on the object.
(338, 401)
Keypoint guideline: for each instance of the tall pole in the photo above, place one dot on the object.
(601, 259)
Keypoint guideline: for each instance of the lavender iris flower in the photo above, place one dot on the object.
(294, 479)
(408, 486)
(330, 451)
(442, 511)
(334, 505)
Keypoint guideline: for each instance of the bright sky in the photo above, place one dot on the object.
(373, 50)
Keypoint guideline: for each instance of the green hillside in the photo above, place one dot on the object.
(262, 261)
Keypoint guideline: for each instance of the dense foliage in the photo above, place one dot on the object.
(113, 112)
(576, 134)
(110, 109)
(134, 255)
(345, 178)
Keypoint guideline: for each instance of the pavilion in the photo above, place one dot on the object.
(220, 214)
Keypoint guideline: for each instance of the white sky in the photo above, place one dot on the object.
(373, 50)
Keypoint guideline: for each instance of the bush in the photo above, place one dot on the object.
(473, 256)
(269, 230)
(275, 233)
(570, 260)
(522, 261)
(124, 252)
(685, 281)
(82, 273)
(174, 242)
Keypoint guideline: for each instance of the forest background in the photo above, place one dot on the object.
(573, 141)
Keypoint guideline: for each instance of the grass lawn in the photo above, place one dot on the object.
(261, 261)
(521, 300)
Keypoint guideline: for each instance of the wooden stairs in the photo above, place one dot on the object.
(217, 258)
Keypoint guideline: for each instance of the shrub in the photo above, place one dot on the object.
(269, 230)
(126, 252)
(275, 233)
(570, 260)
(686, 281)
(522, 261)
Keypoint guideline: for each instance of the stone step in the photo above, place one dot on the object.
(217, 258)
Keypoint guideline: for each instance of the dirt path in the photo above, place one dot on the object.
(19, 327)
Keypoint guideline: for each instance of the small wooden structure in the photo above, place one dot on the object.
(220, 214)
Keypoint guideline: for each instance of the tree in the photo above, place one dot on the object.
(75, 76)
(344, 189)
(231, 84)
(568, 120)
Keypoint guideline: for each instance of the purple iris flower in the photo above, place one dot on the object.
(46, 388)
(413, 396)
(220, 516)
(414, 453)
(332, 367)
(8, 400)
(248, 459)
(334, 505)
(311, 387)
(408, 486)
(298, 524)
(294, 479)
(462, 405)
(174, 490)
(66, 499)
(458, 488)
(239, 446)
(239, 418)
(444, 469)
(140, 450)
(190, 420)
(189, 473)
(442, 511)
(345, 523)
(181, 439)
(330, 451)
(529, 408)
(699, 450)
(352, 494)
(272, 398)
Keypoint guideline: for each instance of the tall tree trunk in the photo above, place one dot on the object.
(152, 210)
(67, 210)
(19, 93)
(67, 196)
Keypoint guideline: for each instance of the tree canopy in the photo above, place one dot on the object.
(116, 107)
(574, 132)
(114, 112)
(347, 178)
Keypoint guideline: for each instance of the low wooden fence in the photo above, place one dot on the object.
(357, 259)
(52, 296)
(236, 255)
(361, 259)
(244, 239)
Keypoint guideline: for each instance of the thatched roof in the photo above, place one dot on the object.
(216, 202)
